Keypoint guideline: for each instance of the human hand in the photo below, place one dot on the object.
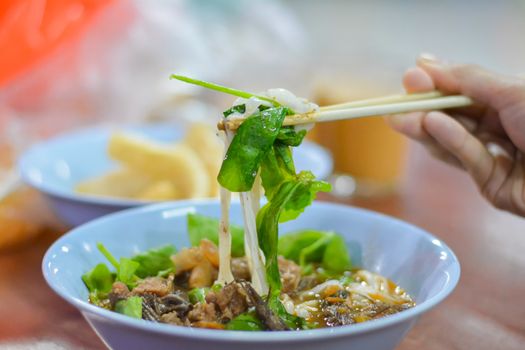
(486, 139)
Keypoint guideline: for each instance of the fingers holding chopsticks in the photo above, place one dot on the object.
(416, 126)
(449, 137)
(487, 138)
(498, 99)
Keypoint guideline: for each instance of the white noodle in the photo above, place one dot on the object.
(286, 98)
(252, 106)
(288, 303)
(251, 245)
(256, 205)
(304, 309)
(370, 286)
(297, 104)
(320, 287)
(225, 240)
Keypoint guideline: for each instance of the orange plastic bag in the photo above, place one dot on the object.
(30, 30)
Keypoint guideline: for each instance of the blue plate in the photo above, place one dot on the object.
(55, 167)
(419, 262)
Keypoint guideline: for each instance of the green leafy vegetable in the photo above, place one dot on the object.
(217, 287)
(125, 268)
(315, 252)
(150, 263)
(200, 227)
(245, 322)
(307, 269)
(221, 88)
(309, 246)
(99, 279)
(126, 272)
(198, 295)
(303, 195)
(155, 261)
(108, 255)
(235, 109)
(292, 244)
(278, 168)
(267, 232)
(289, 137)
(254, 139)
(336, 257)
(132, 307)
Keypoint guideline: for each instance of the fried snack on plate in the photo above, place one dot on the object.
(210, 149)
(178, 163)
(123, 182)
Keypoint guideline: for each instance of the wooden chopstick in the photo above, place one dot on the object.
(384, 100)
(373, 110)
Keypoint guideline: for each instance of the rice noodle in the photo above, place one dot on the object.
(252, 106)
(368, 285)
(253, 253)
(297, 104)
(286, 98)
(320, 287)
(225, 240)
(303, 310)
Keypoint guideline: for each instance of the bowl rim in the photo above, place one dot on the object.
(242, 336)
(24, 164)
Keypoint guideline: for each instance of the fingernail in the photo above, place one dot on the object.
(496, 150)
(429, 59)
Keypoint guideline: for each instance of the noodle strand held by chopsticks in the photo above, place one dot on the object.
(251, 245)
(225, 240)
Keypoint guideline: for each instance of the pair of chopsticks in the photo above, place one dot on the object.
(380, 106)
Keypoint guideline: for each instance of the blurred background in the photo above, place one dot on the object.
(67, 64)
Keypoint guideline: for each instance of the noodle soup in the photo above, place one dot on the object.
(247, 278)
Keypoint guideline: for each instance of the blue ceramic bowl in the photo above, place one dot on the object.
(56, 166)
(419, 262)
